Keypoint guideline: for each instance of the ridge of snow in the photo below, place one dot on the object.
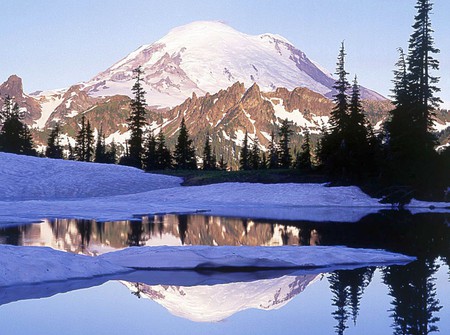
(28, 265)
(282, 257)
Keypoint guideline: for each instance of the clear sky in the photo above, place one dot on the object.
(56, 43)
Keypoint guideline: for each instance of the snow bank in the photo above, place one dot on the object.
(37, 188)
(28, 265)
(25, 178)
(206, 257)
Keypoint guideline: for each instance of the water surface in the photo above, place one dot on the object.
(411, 299)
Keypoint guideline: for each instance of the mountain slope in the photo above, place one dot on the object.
(207, 56)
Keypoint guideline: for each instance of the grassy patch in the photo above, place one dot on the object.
(200, 177)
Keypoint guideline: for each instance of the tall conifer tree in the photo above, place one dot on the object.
(136, 121)
(15, 137)
(285, 154)
(184, 154)
(54, 148)
(244, 157)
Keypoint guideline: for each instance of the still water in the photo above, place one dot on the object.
(411, 299)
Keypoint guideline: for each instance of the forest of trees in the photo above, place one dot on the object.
(401, 159)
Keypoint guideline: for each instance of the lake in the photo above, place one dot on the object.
(410, 299)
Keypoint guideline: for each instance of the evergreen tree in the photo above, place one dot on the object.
(333, 148)
(84, 148)
(71, 156)
(344, 150)
(89, 142)
(184, 154)
(164, 157)
(244, 157)
(136, 121)
(111, 153)
(339, 116)
(54, 148)
(100, 148)
(15, 137)
(360, 160)
(222, 163)
(81, 143)
(208, 157)
(285, 154)
(264, 161)
(255, 159)
(411, 158)
(273, 153)
(150, 155)
(304, 156)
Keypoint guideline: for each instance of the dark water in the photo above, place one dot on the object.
(411, 299)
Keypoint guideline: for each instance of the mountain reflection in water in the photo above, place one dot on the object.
(415, 304)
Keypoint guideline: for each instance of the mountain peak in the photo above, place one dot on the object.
(207, 56)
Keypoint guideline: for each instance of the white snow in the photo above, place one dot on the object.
(37, 188)
(32, 178)
(207, 257)
(29, 265)
(207, 56)
(49, 102)
(439, 126)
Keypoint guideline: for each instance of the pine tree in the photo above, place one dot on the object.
(71, 155)
(81, 142)
(54, 148)
(164, 157)
(339, 116)
(264, 161)
(208, 157)
(304, 156)
(244, 157)
(285, 154)
(184, 154)
(84, 148)
(342, 149)
(15, 137)
(273, 152)
(101, 154)
(255, 159)
(150, 155)
(411, 158)
(111, 153)
(222, 163)
(136, 121)
(89, 142)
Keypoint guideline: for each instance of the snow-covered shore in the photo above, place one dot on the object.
(37, 188)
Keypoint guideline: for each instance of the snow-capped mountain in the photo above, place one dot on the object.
(208, 56)
(213, 303)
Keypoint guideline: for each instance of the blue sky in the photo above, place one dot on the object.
(56, 43)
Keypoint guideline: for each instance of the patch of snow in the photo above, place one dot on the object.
(37, 188)
(48, 106)
(73, 113)
(29, 265)
(44, 178)
(439, 126)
